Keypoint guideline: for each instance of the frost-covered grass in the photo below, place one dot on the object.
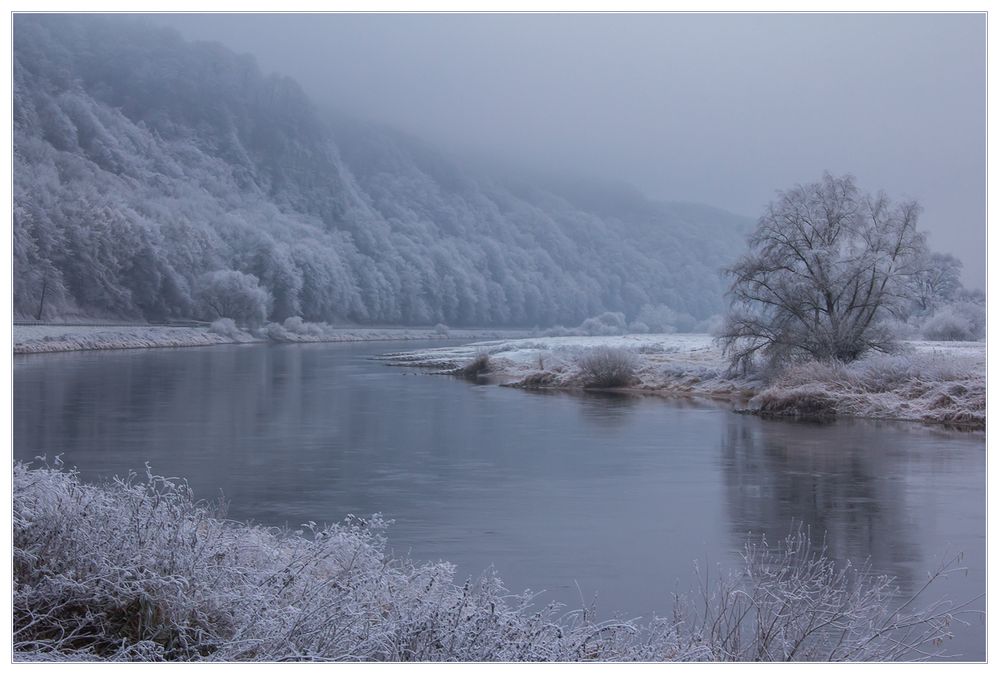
(139, 571)
(30, 339)
(931, 383)
(54, 338)
(938, 382)
(687, 364)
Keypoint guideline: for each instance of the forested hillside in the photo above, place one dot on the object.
(142, 163)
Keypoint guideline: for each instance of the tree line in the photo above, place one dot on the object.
(147, 169)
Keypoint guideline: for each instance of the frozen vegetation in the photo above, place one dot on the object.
(140, 571)
(675, 363)
(51, 338)
(933, 382)
(32, 339)
(156, 178)
(939, 382)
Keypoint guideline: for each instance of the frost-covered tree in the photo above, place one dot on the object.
(827, 265)
(227, 294)
(936, 281)
(142, 162)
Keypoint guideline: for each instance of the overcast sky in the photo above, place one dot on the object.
(721, 109)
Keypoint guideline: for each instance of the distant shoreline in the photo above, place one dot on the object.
(51, 338)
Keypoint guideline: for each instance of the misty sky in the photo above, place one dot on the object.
(719, 109)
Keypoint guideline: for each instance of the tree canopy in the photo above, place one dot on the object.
(827, 265)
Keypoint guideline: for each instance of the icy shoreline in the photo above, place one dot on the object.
(933, 382)
(37, 339)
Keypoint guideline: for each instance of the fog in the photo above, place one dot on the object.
(718, 109)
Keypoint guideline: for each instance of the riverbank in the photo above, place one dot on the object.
(139, 570)
(42, 338)
(932, 382)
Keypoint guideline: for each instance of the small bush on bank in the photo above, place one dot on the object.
(480, 365)
(298, 326)
(141, 571)
(803, 401)
(274, 332)
(226, 328)
(607, 367)
(295, 329)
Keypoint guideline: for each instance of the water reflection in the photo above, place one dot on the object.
(854, 488)
(612, 408)
(605, 408)
(617, 493)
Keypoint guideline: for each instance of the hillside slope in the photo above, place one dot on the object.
(142, 161)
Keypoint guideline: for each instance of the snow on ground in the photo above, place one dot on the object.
(940, 382)
(326, 333)
(30, 339)
(53, 338)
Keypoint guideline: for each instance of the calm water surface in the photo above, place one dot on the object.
(576, 495)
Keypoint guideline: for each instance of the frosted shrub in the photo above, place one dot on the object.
(606, 367)
(140, 571)
(961, 321)
(791, 602)
(480, 365)
(664, 319)
(442, 330)
(608, 323)
(946, 325)
(297, 326)
(806, 400)
(225, 327)
(294, 324)
(294, 329)
(275, 332)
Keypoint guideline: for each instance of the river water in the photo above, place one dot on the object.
(579, 496)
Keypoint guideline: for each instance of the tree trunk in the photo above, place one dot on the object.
(41, 302)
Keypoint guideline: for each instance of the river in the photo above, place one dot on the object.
(574, 495)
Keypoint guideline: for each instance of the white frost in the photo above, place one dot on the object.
(927, 381)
